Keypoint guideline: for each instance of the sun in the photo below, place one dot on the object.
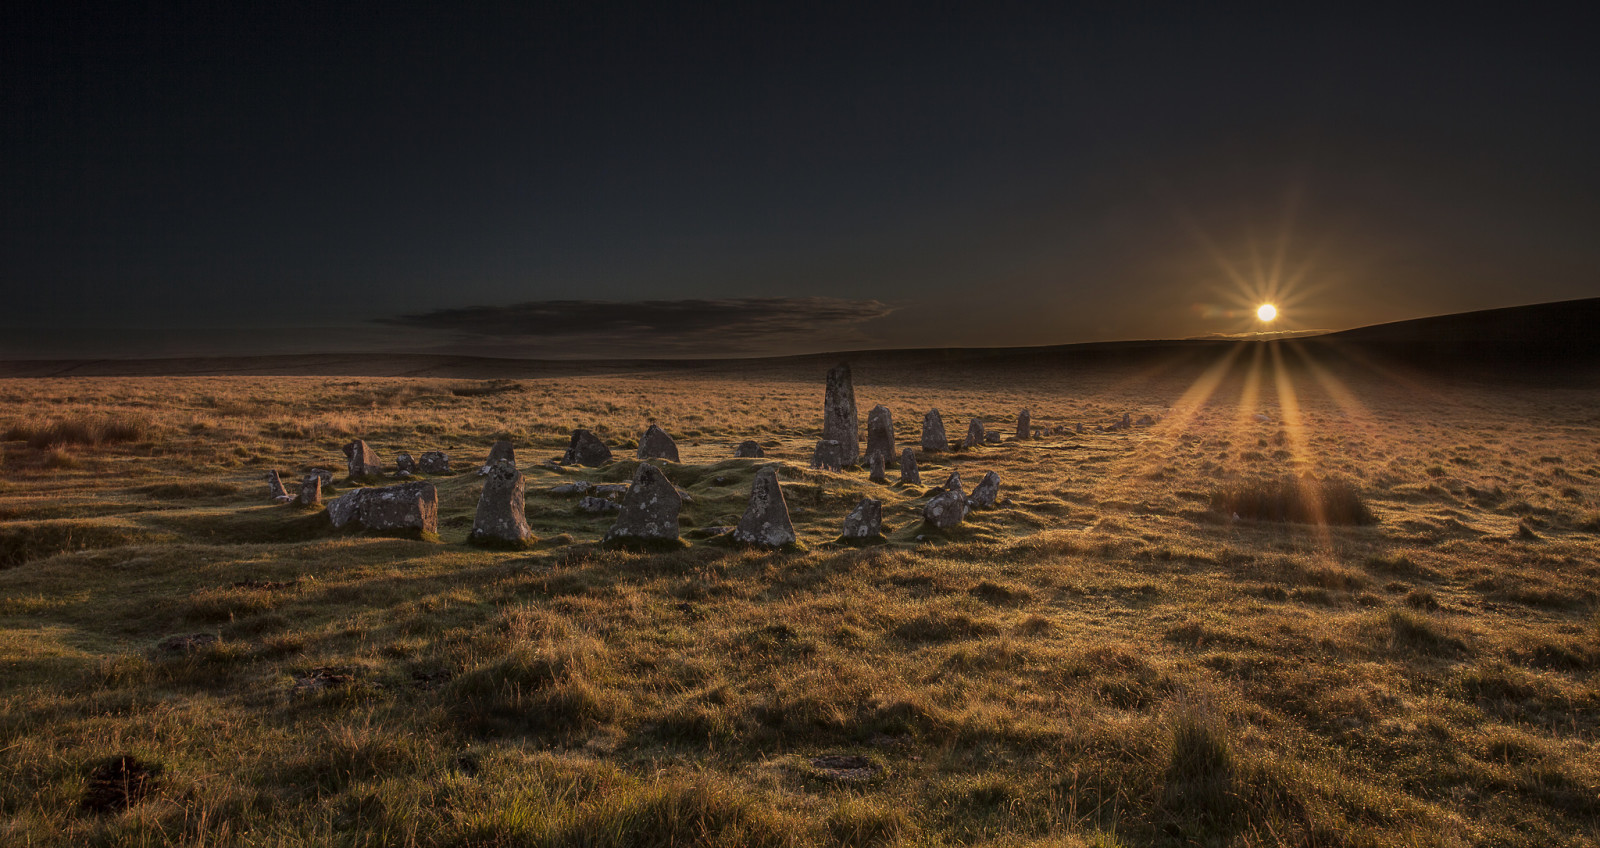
(1266, 312)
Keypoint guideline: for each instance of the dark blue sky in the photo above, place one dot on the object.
(900, 176)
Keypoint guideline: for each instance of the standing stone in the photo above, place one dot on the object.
(501, 518)
(408, 506)
(766, 519)
(323, 474)
(880, 432)
(975, 434)
(649, 510)
(986, 492)
(1078, 428)
(405, 464)
(877, 475)
(275, 489)
(1127, 421)
(501, 450)
(908, 468)
(363, 460)
(749, 449)
(1024, 426)
(586, 449)
(933, 435)
(839, 415)
(946, 509)
(310, 491)
(828, 456)
(656, 444)
(435, 462)
(865, 521)
(953, 483)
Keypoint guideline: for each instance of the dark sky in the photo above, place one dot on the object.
(330, 176)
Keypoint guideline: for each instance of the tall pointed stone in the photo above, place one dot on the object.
(363, 460)
(501, 519)
(839, 414)
(586, 449)
(649, 510)
(986, 492)
(766, 520)
(975, 434)
(933, 435)
(880, 433)
(908, 468)
(865, 521)
(656, 444)
(1024, 426)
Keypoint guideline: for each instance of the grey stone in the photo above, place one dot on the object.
(908, 468)
(991, 437)
(656, 444)
(766, 520)
(986, 492)
(839, 415)
(1146, 421)
(501, 517)
(749, 449)
(310, 491)
(586, 449)
(434, 462)
(975, 434)
(611, 490)
(946, 509)
(1126, 422)
(275, 489)
(405, 464)
(1078, 428)
(933, 435)
(501, 450)
(880, 433)
(953, 483)
(865, 521)
(597, 506)
(877, 475)
(323, 474)
(363, 460)
(407, 506)
(1024, 426)
(650, 509)
(828, 456)
(577, 487)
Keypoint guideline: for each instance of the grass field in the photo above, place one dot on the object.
(1108, 658)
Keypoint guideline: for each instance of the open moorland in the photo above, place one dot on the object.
(1129, 649)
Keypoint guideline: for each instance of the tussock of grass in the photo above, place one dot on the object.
(86, 430)
(1298, 500)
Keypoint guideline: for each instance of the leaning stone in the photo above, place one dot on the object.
(649, 512)
(953, 483)
(656, 444)
(597, 506)
(275, 488)
(865, 521)
(434, 462)
(986, 492)
(945, 510)
(908, 468)
(839, 414)
(877, 475)
(828, 456)
(933, 435)
(586, 449)
(749, 449)
(880, 432)
(578, 487)
(405, 464)
(1024, 426)
(363, 460)
(975, 434)
(766, 520)
(310, 491)
(502, 518)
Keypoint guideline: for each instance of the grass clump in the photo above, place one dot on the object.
(1295, 500)
(80, 429)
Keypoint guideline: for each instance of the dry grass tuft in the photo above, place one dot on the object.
(1300, 500)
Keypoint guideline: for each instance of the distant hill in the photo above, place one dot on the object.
(1560, 335)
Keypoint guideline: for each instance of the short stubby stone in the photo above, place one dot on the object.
(865, 521)
(953, 483)
(878, 475)
(586, 449)
(933, 435)
(749, 449)
(363, 460)
(434, 462)
(1024, 426)
(323, 474)
(975, 434)
(908, 468)
(407, 506)
(597, 506)
(992, 437)
(501, 517)
(839, 414)
(766, 520)
(828, 456)
(880, 432)
(986, 492)
(656, 444)
(576, 487)
(945, 510)
(405, 464)
(649, 510)
(275, 489)
(502, 450)
(1078, 428)
(310, 491)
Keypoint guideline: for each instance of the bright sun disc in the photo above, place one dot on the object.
(1267, 312)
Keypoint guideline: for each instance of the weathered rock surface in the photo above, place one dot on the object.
(275, 489)
(363, 460)
(877, 475)
(749, 449)
(975, 434)
(405, 464)
(1126, 422)
(501, 517)
(946, 509)
(933, 435)
(586, 449)
(1024, 426)
(407, 506)
(501, 450)
(953, 483)
(434, 462)
(649, 510)
(611, 490)
(766, 520)
(986, 492)
(839, 414)
(865, 521)
(597, 506)
(1078, 428)
(577, 487)
(310, 491)
(908, 468)
(880, 433)
(828, 456)
(656, 444)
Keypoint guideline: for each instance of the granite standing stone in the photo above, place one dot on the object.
(933, 435)
(363, 460)
(766, 519)
(502, 450)
(749, 449)
(436, 462)
(323, 474)
(828, 456)
(865, 521)
(408, 506)
(946, 509)
(275, 489)
(986, 492)
(405, 464)
(953, 483)
(880, 432)
(649, 510)
(1024, 426)
(586, 449)
(310, 491)
(1127, 421)
(656, 444)
(839, 415)
(975, 434)
(908, 468)
(877, 475)
(501, 517)
(597, 506)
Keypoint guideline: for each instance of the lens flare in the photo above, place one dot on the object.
(1266, 312)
